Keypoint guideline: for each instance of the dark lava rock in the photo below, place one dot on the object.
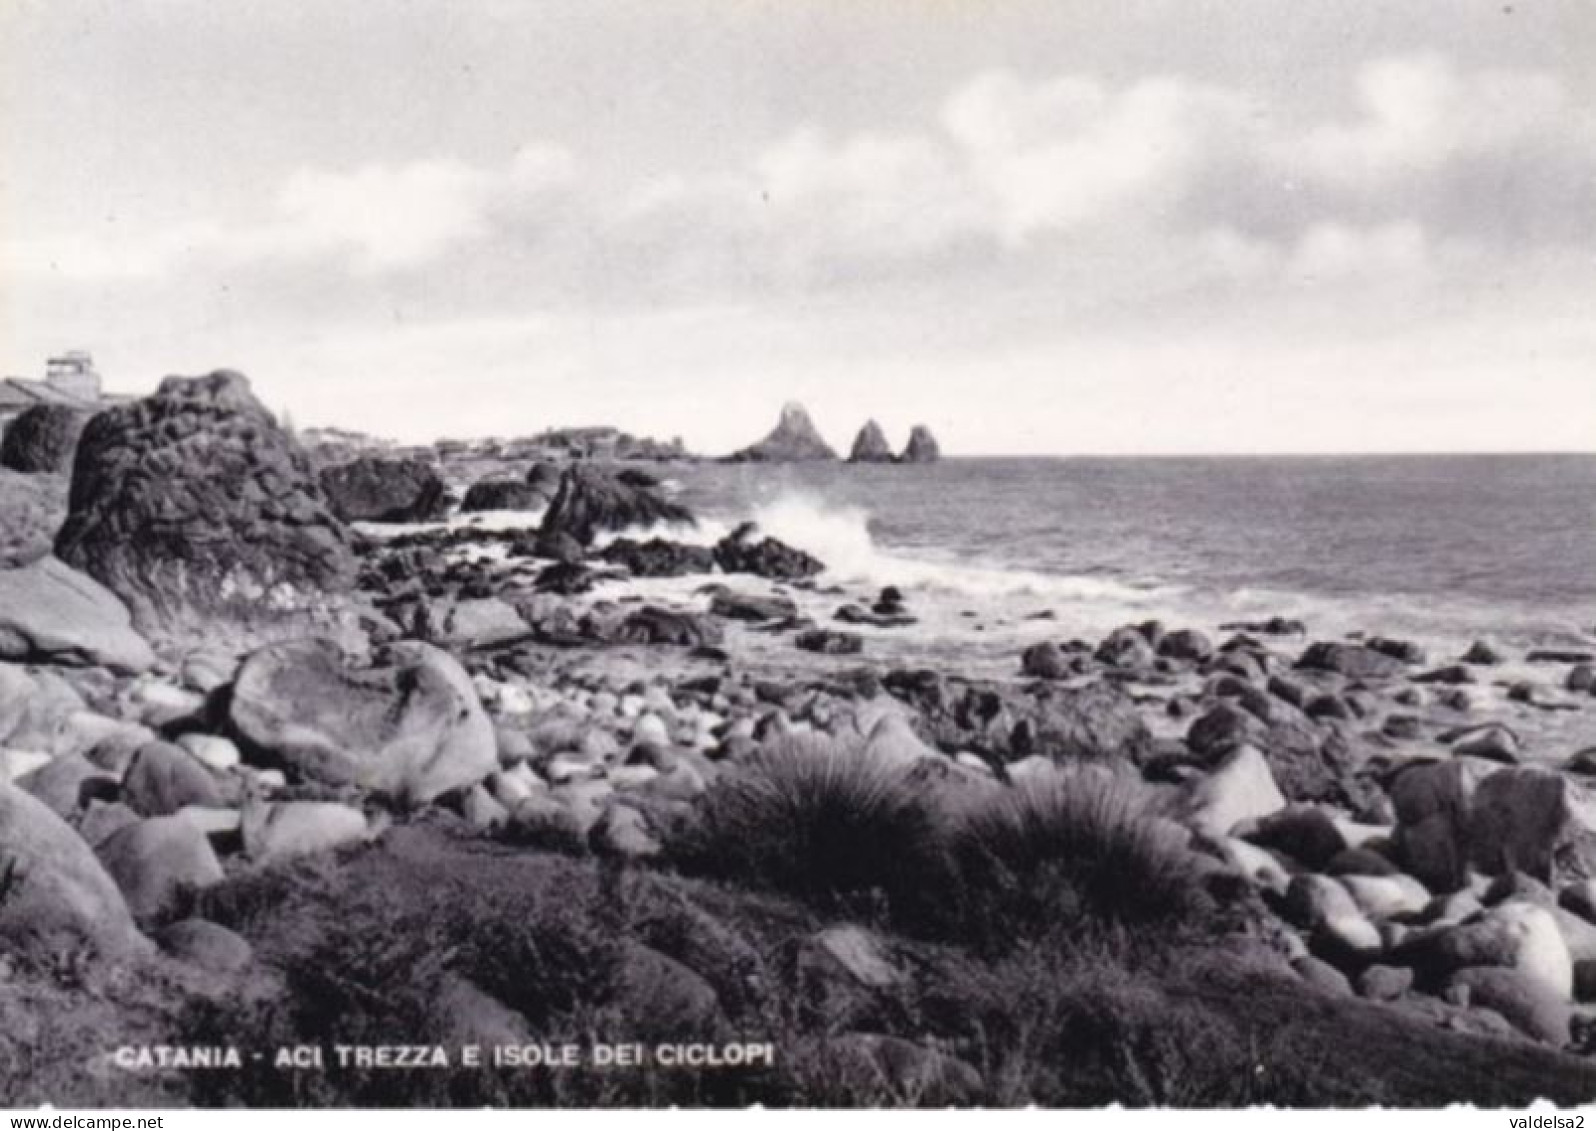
(376, 489)
(1355, 661)
(1485, 653)
(655, 625)
(1006, 723)
(742, 551)
(748, 607)
(829, 642)
(794, 439)
(1186, 644)
(42, 439)
(922, 447)
(1404, 650)
(658, 557)
(502, 495)
(567, 579)
(192, 505)
(593, 499)
(853, 614)
(870, 446)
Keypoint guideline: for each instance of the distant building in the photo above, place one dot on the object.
(69, 379)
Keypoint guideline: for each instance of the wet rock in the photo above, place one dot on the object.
(1405, 651)
(829, 642)
(1560, 656)
(1453, 674)
(593, 499)
(377, 489)
(751, 607)
(409, 726)
(199, 512)
(1125, 648)
(42, 440)
(743, 551)
(1186, 644)
(1484, 653)
(658, 557)
(1048, 661)
(1581, 679)
(503, 495)
(1351, 660)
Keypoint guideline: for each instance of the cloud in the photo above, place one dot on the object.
(1068, 180)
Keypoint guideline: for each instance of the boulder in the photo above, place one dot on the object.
(752, 607)
(893, 742)
(156, 861)
(379, 489)
(871, 446)
(476, 622)
(68, 783)
(829, 642)
(1431, 838)
(1125, 647)
(743, 551)
(655, 624)
(1493, 742)
(42, 439)
(1384, 983)
(1484, 653)
(52, 614)
(922, 446)
(622, 831)
(1240, 789)
(56, 894)
(409, 726)
(1529, 1006)
(195, 508)
(163, 778)
(794, 439)
(277, 830)
(1355, 661)
(1534, 820)
(503, 495)
(1186, 644)
(1304, 833)
(592, 500)
(1515, 935)
(1047, 661)
(658, 557)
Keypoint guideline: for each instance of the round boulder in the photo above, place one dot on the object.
(409, 726)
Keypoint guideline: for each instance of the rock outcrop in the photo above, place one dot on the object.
(408, 727)
(743, 551)
(195, 508)
(795, 439)
(922, 447)
(594, 499)
(373, 489)
(51, 613)
(871, 446)
(502, 495)
(42, 439)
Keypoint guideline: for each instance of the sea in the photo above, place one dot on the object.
(1440, 549)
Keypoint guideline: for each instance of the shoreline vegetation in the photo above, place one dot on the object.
(283, 768)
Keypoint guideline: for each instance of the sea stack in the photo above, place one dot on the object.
(870, 446)
(795, 439)
(922, 447)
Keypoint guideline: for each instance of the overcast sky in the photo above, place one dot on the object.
(1118, 226)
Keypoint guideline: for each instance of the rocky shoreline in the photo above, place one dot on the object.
(215, 671)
